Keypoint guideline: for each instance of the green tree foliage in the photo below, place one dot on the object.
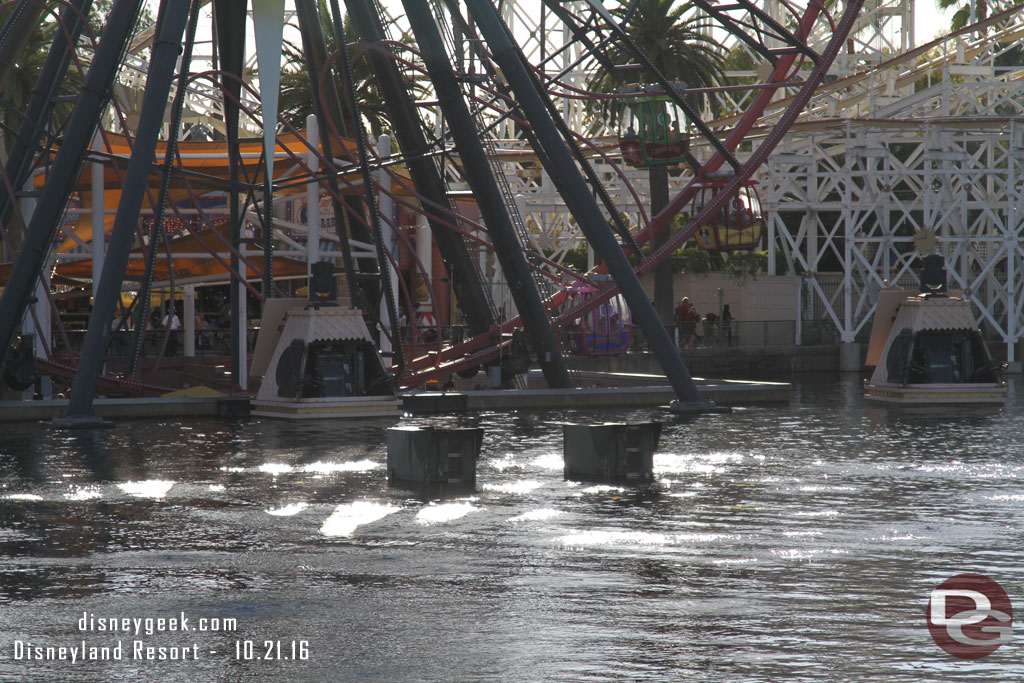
(739, 265)
(982, 9)
(740, 59)
(671, 36)
(576, 258)
(296, 101)
(16, 89)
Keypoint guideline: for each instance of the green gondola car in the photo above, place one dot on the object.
(653, 131)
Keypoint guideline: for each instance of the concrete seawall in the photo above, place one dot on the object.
(724, 393)
(779, 363)
(130, 408)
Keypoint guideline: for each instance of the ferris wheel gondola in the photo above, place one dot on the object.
(653, 131)
(605, 330)
(737, 225)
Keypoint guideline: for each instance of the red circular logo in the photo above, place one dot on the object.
(969, 616)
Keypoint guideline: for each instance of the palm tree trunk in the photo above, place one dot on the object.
(664, 297)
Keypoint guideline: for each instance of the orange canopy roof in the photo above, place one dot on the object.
(191, 260)
(203, 168)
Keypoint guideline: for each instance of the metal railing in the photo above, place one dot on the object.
(210, 342)
(736, 333)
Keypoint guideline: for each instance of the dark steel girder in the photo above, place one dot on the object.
(489, 198)
(583, 206)
(741, 29)
(166, 48)
(597, 186)
(92, 100)
(424, 171)
(229, 21)
(40, 104)
(157, 231)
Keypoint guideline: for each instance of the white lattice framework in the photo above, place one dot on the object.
(928, 142)
(903, 139)
(878, 34)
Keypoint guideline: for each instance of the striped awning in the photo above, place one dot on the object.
(935, 313)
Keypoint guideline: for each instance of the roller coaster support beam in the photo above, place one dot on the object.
(170, 26)
(581, 203)
(327, 106)
(423, 169)
(488, 195)
(229, 21)
(40, 104)
(92, 100)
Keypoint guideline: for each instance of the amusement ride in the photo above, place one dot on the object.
(173, 168)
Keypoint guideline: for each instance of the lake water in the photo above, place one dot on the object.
(793, 542)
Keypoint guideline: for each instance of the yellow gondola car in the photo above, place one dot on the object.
(737, 225)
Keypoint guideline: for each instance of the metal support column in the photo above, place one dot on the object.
(312, 197)
(489, 197)
(166, 48)
(92, 100)
(99, 213)
(230, 25)
(581, 203)
(423, 169)
(389, 277)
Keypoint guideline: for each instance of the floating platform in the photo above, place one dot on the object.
(722, 392)
(130, 408)
(928, 349)
(958, 394)
(349, 407)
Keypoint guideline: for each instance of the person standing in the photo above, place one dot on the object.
(686, 317)
(726, 324)
(172, 323)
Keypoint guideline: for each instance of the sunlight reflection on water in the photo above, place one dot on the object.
(781, 542)
(348, 517)
(154, 488)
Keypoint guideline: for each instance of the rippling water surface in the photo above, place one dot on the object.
(789, 542)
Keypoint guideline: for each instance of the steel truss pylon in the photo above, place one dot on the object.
(883, 28)
(928, 143)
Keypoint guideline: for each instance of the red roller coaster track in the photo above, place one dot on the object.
(482, 349)
(475, 351)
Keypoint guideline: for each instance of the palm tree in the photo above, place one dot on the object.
(16, 87)
(15, 93)
(672, 38)
(296, 99)
(982, 8)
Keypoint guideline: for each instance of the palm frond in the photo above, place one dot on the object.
(673, 38)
